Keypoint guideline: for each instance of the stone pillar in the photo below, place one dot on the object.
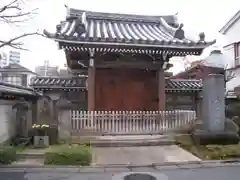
(161, 90)
(52, 105)
(214, 102)
(91, 82)
(64, 121)
(199, 109)
(216, 128)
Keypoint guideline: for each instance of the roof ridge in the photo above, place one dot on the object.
(58, 77)
(230, 22)
(121, 16)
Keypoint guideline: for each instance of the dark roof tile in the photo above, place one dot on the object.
(59, 82)
(183, 84)
(80, 83)
(120, 29)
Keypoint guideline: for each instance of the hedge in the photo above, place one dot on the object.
(7, 155)
(69, 155)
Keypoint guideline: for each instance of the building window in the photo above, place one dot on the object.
(15, 80)
(237, 53)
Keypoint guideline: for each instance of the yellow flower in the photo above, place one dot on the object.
(45, 125)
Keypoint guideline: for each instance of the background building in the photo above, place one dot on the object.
(46, 70)
(16, 74)
(230, 30)
(3, 59)
(14, 57)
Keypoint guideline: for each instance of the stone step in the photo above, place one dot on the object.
(31, 154)
(125, 140)
(27, 161)
(132, 143)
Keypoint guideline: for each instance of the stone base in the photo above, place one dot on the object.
(224, 138)
(41, 141)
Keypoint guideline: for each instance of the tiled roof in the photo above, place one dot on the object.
(85, 27)
(14, 89)
(183, 85)
(80, 83)
(15, 68)
(59, 82)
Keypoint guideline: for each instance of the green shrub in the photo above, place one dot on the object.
(69, 155)
(7, 155)
(209, 152)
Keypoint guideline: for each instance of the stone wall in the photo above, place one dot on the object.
(181, 101)
(7, 122)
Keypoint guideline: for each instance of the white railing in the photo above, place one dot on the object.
(131, 122)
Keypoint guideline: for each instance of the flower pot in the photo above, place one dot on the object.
(41, 141)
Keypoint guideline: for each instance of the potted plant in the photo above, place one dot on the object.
(41, 138)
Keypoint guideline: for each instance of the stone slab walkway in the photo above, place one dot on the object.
(141, 155)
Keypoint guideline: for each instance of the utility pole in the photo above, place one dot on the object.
(46, 67)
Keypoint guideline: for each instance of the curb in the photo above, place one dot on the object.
(118, 167)
(132, 143)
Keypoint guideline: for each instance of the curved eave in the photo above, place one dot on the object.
(172, 45)
(145, 44)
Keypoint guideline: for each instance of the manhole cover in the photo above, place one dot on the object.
(138, 176)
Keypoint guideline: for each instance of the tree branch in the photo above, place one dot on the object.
(17, 45)
(9, 6)
(11, 14)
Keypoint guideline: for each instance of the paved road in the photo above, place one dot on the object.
(203, 173)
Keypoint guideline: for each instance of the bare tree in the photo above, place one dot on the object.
(13, 14)
(229, 74)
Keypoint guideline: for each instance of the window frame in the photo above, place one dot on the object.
(237, 54)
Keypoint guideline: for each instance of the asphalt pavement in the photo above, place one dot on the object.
(144, 173)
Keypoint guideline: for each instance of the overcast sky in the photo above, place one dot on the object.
(205, 15)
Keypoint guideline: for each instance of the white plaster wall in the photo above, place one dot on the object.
(232, 34)
(231, 37)
(229, 54)
(7, 120)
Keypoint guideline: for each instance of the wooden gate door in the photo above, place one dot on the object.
(125, 90)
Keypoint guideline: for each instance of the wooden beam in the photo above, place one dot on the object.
(137, 65)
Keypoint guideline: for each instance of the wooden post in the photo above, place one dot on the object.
(161, 90)
(91, 82)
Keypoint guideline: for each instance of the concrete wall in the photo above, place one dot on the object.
(7, 120)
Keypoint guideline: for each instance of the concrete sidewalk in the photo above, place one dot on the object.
(141, 155)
